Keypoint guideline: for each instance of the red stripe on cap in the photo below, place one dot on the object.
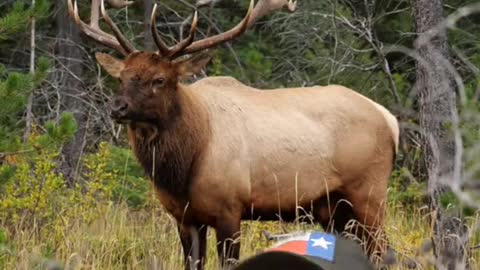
(298, 247)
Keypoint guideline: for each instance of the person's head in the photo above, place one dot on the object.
(310, 251)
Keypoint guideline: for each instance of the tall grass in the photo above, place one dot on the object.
(125, 238)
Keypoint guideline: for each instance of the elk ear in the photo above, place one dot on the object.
(111, 64)
(193, 65)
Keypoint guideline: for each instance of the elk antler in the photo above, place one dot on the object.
(186, 46)
(116, 41)
(222, 37)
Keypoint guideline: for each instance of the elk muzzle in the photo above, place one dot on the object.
(119, 108)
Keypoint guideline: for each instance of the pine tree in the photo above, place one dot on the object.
(15, 86)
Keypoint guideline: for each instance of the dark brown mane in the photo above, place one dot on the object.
(169, 152)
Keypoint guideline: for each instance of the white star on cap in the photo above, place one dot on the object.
(321, 242)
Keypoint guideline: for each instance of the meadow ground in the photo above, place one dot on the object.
(124, 238)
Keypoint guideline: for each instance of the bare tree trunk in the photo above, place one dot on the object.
(148, 39)
(72, 89)
(29, 113)
(436, 90)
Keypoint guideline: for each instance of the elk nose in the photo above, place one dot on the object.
(119, 107)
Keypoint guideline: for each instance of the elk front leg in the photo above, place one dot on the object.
(228, 240)
(194, 244)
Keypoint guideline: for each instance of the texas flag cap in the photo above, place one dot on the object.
(310, 251)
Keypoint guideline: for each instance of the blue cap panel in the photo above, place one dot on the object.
(321, 245)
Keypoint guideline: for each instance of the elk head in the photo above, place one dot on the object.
(149, 80)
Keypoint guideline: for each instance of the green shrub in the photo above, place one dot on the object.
(33, 194)
(404, 190)
(123, 174)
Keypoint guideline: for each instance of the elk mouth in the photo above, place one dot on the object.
(120, 118)
(122, 121)
(129, 119)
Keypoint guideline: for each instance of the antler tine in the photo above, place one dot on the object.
(119, 3)
(220, 38)
(118, 34)
(265, 7)
(162, 47)
(188, 40)
(93, 31)
(94, 15)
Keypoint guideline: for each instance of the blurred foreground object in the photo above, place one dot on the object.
(309, 251)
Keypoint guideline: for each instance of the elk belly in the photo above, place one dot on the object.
(289, 187)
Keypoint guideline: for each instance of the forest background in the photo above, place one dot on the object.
(73, 197)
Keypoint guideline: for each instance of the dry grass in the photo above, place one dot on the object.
(147, 239)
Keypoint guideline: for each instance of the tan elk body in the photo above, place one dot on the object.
(219, 151)
(272, 150)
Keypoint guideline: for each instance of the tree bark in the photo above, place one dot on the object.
(148, 39)
(70, 70)
(437, 105)
(29, 113)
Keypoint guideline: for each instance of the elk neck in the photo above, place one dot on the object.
(170, 152)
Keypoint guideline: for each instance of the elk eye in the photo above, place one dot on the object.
(158, 82)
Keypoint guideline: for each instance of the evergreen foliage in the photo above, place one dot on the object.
(14, 90)
(17, 19)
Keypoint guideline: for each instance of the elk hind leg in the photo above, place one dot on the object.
(333, 212)
(368, 206)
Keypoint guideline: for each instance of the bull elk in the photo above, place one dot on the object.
(219, 151)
